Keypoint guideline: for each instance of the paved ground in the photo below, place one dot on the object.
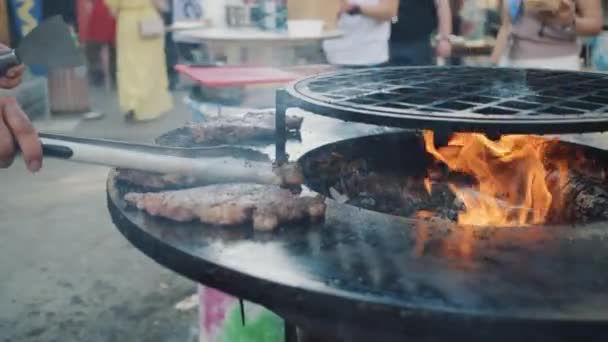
(67, 274)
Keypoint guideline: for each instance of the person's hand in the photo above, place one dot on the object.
(444, 48)
(563, 17)
(13, 77)
(566, 14)
(17, 130)
(345, 7)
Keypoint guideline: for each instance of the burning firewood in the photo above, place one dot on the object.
(579, 199)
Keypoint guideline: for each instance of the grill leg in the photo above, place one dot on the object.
(291, 332)
(281, 129)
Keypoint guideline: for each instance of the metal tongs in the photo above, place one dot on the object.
(216, 164)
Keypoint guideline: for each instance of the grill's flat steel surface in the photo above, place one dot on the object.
(493, 100)
(367, 273)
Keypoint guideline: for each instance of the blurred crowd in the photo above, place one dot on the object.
(531, 33)
(131, 38)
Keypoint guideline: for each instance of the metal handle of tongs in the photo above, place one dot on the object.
(152, 158)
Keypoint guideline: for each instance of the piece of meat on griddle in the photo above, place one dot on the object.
(154, 181)
(289, 174)
(232, 204)
(233, 130)
(252, 127)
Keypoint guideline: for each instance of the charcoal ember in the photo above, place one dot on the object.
(584, 162)
(391, 192)
(399, 195)
(381, 187)
(365, 200)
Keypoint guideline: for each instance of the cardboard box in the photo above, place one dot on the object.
(326, 10)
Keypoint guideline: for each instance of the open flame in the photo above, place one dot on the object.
(511, 179)
(428, 185)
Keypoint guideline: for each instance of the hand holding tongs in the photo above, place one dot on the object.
(216, 166)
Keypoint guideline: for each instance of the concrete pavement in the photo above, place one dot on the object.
(67, 273)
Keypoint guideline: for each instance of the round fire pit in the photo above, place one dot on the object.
(364, 272)
(393, 260)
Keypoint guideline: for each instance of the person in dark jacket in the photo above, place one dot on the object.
(410, 42)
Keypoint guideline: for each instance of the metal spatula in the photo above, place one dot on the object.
(215, 167)
(50, 44)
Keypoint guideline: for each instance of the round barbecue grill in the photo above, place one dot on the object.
(364, 275)
(490, 100)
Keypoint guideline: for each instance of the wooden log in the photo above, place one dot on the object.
(579, 199)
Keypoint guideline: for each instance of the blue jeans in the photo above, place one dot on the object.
(411, 53)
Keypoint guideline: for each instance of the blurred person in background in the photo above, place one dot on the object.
(456, 8)
(366, 25)
(142, 70)
(410, 42)
(529, 39)
(102, 30)
(65, 8)
(170, 47)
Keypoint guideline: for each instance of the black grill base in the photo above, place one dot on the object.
(357, 276)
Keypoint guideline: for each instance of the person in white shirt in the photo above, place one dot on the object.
(366, 25)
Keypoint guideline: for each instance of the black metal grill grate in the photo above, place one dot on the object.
(531, 101)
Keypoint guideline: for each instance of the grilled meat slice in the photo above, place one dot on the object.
(154, 181)
(289, 174)
(233, 130)
(232, 204)
(249, 128)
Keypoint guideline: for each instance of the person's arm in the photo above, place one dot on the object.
(162, 6)
(444, 29)
(590, 18)
(385, 10)
(584, 17)
(502, 38)
(113, 6)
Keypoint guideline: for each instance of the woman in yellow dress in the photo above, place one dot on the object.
(142, 74)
